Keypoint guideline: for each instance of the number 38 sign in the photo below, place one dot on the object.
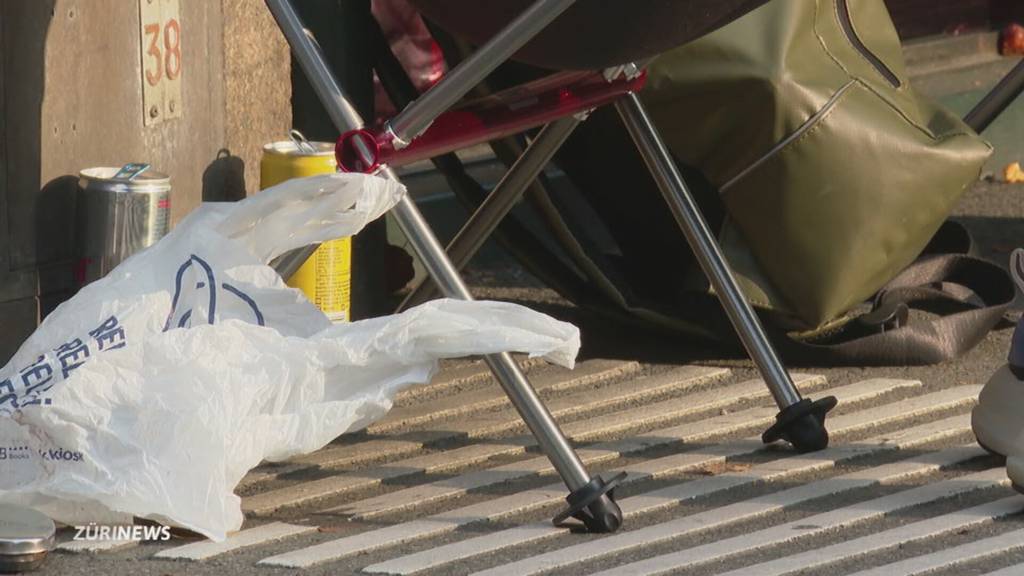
(160, 49)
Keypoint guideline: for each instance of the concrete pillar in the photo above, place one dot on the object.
(71, 97)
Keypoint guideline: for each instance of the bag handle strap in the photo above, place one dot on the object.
(966, 295)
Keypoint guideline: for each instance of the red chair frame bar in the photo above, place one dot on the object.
(502, 114)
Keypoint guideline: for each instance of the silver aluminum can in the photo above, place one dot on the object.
(26, 537)
(119, 217)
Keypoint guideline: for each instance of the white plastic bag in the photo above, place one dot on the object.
(154, 390)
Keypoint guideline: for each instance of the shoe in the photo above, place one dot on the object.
(1015, 470)
(997, 420)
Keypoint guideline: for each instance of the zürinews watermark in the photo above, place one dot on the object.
(137, 533)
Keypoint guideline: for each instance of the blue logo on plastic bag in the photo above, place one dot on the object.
(32, 383)
(204, 287)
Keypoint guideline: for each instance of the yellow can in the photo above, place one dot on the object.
(326, 277)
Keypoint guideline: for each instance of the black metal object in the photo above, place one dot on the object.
(594, 505)
(996, 101)
(802, 425)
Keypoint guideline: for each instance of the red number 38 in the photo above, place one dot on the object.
(167, 61)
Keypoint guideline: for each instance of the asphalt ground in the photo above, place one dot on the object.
(992, 211)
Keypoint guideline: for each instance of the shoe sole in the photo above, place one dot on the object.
(998, 455)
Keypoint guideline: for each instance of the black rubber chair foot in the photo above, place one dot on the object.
(802, 425)
(594, 505)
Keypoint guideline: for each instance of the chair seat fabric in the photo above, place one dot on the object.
(591, 34)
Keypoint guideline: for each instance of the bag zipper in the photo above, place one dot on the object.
(782, 144)
(847, 24)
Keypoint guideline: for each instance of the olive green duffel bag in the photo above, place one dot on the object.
(833, 171)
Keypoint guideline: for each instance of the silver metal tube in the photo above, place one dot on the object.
(702, 242)
(311, 59)
(344, 116)
(418, 115)
(518, 389)
(499, 202)
(430, 251)
(532, 410)
(287, 264)
(428, 248)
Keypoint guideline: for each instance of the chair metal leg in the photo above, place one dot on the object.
(997, 100)
(499, 202)
(591, 498)
(800, 421)
(415, 117)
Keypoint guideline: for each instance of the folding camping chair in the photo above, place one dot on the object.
(605, 39)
